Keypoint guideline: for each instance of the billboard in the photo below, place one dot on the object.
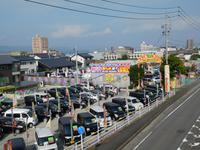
(110, 68)
(151, 58)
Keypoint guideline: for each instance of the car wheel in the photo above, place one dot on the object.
(17, 131)
(30, 125)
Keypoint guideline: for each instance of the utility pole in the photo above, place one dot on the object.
(166, 33)
(76, 53)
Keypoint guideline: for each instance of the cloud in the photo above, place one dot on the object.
(106, 31)
(79, 31)
(69, 31)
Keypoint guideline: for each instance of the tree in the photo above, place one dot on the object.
(176, 66)
(133, 74)
(195, 57)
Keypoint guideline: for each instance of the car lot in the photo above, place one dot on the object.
(84, 107)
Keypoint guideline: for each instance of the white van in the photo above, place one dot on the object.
(98, 112)
(21, 114)
(45, 139)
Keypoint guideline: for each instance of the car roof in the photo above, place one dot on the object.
(17, 110)
(110, 104)
(66, 120)
(18, 143)
(97, 108)
(85, 114)
(43, 132)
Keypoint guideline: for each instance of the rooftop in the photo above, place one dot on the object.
(6, 59)
(56, 62)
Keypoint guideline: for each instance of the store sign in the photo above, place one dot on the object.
(110, 68)
(167, 79)
(149, 58)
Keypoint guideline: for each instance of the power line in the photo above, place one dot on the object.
(119, 10)
(185, 19)
(136, 6)
(186, 14)
(97, 14)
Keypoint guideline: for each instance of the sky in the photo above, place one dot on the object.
(66, 30)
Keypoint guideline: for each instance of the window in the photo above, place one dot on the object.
(24, 116)
(8, 115)
(16, 115)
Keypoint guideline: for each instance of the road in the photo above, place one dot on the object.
(172, 129)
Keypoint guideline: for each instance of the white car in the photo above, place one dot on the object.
(91, 95)
(45, 139)
(133, 101)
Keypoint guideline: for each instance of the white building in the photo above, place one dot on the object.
(83, 58)
(28, 64)
(147, 47)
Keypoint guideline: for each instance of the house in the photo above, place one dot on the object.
(83, 58)
(9, 70)
(28, 65)
(55, 65)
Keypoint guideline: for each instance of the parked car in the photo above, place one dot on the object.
(115, 110)
(9, 124)
(24, 115)
(1, 133)
(45, 139)
(133, 101)
(52, 108)
(99, 93)
(141, 96)
(41, 112)
(89, 95)
(63, 105)
(68, 130)
(101, 115)
(15, 144)
(88, 121)
(125, 106)
(28, 100)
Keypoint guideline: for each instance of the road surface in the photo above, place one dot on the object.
(177, 128)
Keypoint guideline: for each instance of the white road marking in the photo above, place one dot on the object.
(176, 109)
(136, 147)
(142, 141)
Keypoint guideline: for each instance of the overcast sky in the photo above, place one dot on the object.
(20, 20)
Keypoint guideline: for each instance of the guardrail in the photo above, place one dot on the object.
(117, 126)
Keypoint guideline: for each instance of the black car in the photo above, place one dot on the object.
(68, 130)
(41, 112)
(60, 91)
(122, 103)
(28, 100)
(141, 96)
(9, 124)
(52, 108)
(88, 121)
(15, 144)
(115, 110)
(63, 104)
(1, 133)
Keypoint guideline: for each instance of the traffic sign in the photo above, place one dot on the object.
(81, 130)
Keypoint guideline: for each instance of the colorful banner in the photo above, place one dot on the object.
(149, 58)
(110, 68)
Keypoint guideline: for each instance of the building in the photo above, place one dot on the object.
(9, 70)
(39, 44)
(83, 58)
(55, 65)
(146, 47)
(118, 53)
(28, 65)
(189, 44)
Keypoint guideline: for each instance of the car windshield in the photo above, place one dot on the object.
(46, 140)
(30, 113)
(100, 115)
(89, 120)
(116, 109)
